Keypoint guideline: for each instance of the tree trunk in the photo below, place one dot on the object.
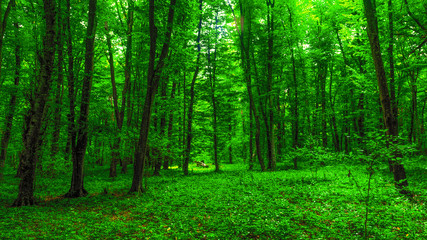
(295, 117)
(391, 60)
(153, 78)
(270, 129)
(115, 154)
(246, 60)
(59, 88)
(190, 107)
(389, 119)
(71, 89)
(167, 161)
(128, 70)
(12, 104)
(32, 132)
(78, 152)
(251, 136)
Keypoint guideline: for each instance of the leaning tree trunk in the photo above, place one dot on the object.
(389, 117)
(153, 78)
(78, 152)
(32, 132)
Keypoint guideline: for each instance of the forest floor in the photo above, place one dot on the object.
(311, 203)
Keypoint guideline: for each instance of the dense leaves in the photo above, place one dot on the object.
(285, 87)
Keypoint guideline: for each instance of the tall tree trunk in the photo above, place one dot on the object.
(115, 154)
(212, 79)
(168, 159)
(295, 114)
(389, 119)
(128, 70)
(59, 88)
(12, 104)
(32, 133)
(414, 108)
(153, 78)
(251, 136)
(78, 152)
(246, 60)
(323, 68)
(71, 88)
(335, 137)
(190, 107)
(270, 129)
(391, 60)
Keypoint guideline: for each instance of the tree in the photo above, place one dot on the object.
(34, 118)
(12, 104)
(388, 115)
(153, 79)
(79, 148)
(190, 107)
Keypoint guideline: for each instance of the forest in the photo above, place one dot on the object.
(213, 119)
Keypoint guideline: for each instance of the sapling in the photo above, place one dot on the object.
(371, 172)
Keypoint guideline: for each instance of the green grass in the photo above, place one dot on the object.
(232, 204)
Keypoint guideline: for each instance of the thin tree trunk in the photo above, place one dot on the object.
(71, 88)
(78, 152)
(251, 136)
(190, 107)
(270, 129)
(391, 60)
(322, 78)
(59, 88)
(389, 119)
(153, 78)
(168, 159)
(295, 120)
(115, 154)
(212, 79)
(128, 70)
(32, 132)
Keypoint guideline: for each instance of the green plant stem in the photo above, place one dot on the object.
(367, 199)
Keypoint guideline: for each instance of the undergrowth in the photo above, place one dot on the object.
(324, 203)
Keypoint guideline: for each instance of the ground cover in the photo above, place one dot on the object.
(311, 203)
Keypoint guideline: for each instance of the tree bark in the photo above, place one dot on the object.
(78, 152)
(128, 75)
(271, 140)
(168, 159)
(71, 88)
(32, 132)
(295, 117)
(190, 107)
(389, 119)
(59, 88)
(153, 78)
(212, 80)
(115, 154)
